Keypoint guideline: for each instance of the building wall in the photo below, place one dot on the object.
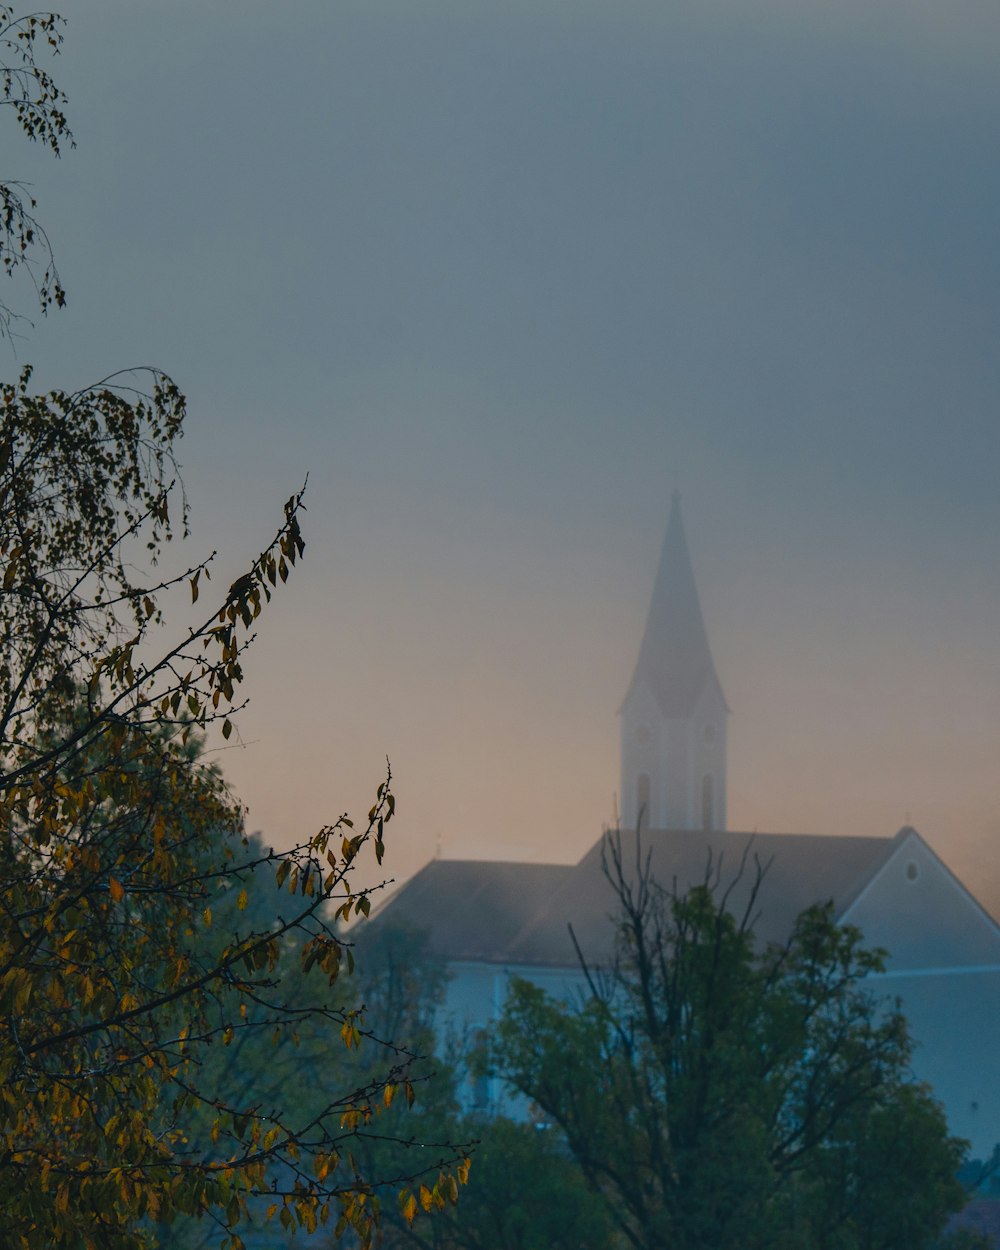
(954, 1019)
(474, 999)
(944, 967)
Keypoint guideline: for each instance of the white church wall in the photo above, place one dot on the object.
(954, 1020)
(944, 967)
(474, 999)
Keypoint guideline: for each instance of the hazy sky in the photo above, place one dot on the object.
(499, 276)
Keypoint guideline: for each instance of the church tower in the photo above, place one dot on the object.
(674, 715)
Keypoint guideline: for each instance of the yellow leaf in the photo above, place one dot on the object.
(116, 890)
(409, 1209)
(242, 900)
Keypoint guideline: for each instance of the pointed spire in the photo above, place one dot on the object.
(675, 661)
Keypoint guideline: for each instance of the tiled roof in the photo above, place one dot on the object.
(519, 914)
(472, 909)
(800, 870)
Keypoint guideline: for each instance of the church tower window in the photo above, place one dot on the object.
(707, 794)
(642, 799)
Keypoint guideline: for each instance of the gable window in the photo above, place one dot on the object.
(707, 794)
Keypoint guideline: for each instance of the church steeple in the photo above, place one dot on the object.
(674, 714)
(674, 660)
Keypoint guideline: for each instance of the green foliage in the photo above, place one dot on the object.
(888, 1173)
(965, 1239)
(524, 1193)
(719, 1095)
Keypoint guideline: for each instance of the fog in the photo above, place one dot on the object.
(500, 277)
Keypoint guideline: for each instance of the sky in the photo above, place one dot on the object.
(499, 277)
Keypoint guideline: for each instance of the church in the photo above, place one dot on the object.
(493, 920)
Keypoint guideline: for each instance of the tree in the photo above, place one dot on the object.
(303, 1069)
(116, 841)
(132, 949)
(721, 1095)
(525, 1192)
(30, 91)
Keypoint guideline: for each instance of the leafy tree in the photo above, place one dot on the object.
(304, 1069)
(115, 845)
(525, 1192)
(29, 89)
(720, 1095)
(132, 947)
(402, 987)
